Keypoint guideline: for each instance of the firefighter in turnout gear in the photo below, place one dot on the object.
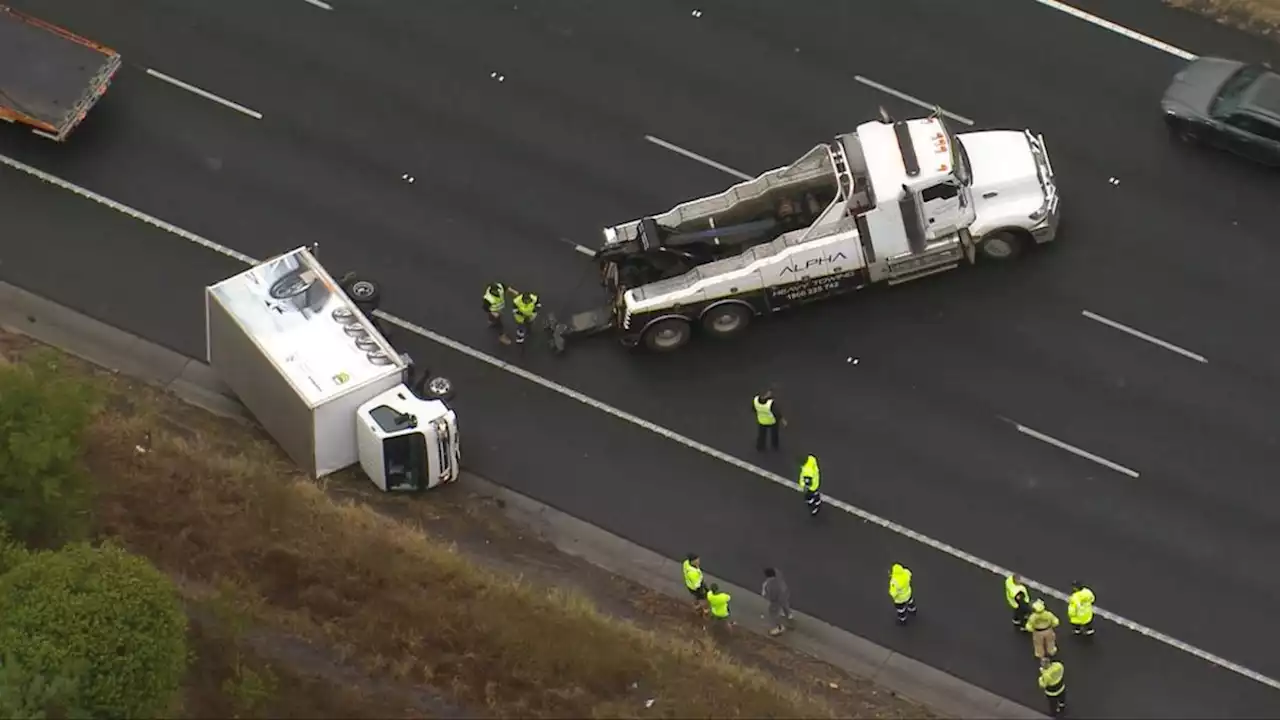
(524, 308)
(900, 590)
(809, 483)
(495, 299)
(1019, 600)
(768, 418)
(1053, 681)
(1041, 624)
(1080, 609)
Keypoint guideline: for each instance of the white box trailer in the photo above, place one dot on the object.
(322, 379)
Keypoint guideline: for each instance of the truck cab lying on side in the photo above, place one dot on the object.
(891, 202)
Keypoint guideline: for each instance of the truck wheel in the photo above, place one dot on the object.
(1001, 245)
(366, 294)
(667, 335)
(726, 320)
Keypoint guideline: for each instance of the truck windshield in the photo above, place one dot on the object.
(1233, 90)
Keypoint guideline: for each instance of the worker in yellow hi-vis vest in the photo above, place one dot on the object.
(810, 481)
(1080, 609)
(768, 418)
(904, 602)
(693, 582)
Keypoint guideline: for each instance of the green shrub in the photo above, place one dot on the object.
(43, 416)
(25, 695)
(101, 609)
(11, 553)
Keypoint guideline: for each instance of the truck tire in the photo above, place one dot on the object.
(366, 294)
(667, 335)
(727, 320)
(1001, 245)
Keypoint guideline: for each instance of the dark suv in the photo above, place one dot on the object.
(1228, 104)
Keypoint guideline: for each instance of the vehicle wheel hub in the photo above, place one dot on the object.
(998, 247)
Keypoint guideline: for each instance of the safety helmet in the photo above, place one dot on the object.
(896, 569)
(494, 288)
(1038, 606)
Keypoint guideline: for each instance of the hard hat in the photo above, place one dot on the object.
(897, 568)
(1038, 606)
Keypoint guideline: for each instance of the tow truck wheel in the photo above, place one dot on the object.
(667, 335)
(726, 320)
(1001, 245)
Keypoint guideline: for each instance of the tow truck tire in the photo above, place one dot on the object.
(726, 320)
(667, 335)
(1001, 245)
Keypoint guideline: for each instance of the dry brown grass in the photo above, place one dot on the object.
(214, 506)
(407, 606)
(1260, 16)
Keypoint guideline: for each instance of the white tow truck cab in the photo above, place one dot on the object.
(303, 353)
(892, 201)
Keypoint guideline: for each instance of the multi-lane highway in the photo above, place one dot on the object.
(1100, 411)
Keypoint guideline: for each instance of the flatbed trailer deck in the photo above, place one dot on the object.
(49, 77)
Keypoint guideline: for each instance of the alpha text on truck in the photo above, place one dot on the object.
(891, 202)
(302, 352)
(49, 77)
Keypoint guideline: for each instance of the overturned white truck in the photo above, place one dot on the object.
(892, 201)
(302, 352)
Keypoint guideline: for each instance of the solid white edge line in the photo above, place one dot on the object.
(1143, 336)
(125, 209)
(1075, 450)
(319, 4)
(857, 512)
(204, 94)
(909, 98)
(695, 156)
(1118, 29)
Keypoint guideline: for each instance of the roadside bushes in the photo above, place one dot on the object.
(92, 628)
(46, 495)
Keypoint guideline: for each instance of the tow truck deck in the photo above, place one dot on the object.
(49, 77)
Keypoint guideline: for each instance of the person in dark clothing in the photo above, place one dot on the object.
(768, 418)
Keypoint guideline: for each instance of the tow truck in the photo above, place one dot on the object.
(49, 77)
(890, 202)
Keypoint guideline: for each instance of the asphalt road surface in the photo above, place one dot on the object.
(524, 131)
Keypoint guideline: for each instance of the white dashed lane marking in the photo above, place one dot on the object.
(204, 94)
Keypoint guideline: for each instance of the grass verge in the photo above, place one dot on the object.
(308, 605)
(1258, 16)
